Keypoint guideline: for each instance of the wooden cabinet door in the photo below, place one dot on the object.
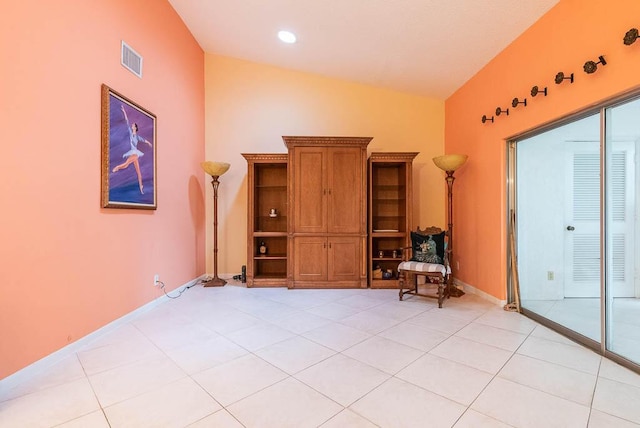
(310, 262)
(310, 190)
(345, 186)
(344, 258)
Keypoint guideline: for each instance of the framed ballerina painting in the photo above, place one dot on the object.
(128, 153)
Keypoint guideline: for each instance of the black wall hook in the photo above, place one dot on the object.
(591, 66)
(499, 111)
(516, 101)
(487, 119)
(535, 91)
(560, 77)
(631, 36)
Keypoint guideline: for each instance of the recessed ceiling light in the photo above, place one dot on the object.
(287, 36)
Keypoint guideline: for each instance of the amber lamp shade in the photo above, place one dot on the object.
(450, 162)
(215, 170)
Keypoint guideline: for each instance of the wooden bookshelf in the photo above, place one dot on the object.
(267, 190)
(390, 213)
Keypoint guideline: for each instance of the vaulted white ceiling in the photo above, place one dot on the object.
(425, 47)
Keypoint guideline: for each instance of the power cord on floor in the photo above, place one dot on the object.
(179, 291)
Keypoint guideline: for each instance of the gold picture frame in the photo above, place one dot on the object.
(129, 153)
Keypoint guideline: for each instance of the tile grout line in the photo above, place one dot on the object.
(494, 376)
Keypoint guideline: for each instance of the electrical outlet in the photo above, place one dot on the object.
(550, 275)
(156, 280)
(457, 265)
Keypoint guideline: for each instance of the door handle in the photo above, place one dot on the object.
(571, 228)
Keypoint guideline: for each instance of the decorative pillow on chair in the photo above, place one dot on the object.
(428, 248)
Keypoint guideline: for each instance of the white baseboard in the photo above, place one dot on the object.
(472, 290)
(57, 356)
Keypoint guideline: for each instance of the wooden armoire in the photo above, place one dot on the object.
(327, 212)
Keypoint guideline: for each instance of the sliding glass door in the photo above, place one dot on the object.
(575, 192)
(558, 225)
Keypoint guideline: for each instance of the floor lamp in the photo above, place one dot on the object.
(215, 170)
(449, 164)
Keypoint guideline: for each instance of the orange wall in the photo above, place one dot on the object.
(573, 32)
(249, 107)
(68, 266)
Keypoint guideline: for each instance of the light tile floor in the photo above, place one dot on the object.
(583, 316)
(234, 357)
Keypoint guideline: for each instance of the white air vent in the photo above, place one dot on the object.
(131, 60)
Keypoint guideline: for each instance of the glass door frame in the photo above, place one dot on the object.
(511, 195)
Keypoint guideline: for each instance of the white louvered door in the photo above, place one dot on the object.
(582, 222)
(620, 222)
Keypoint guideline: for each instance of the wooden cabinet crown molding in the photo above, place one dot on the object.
(293, 141)
(266, 156)
(393, 156)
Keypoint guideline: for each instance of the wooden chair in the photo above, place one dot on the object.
(438, 274)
